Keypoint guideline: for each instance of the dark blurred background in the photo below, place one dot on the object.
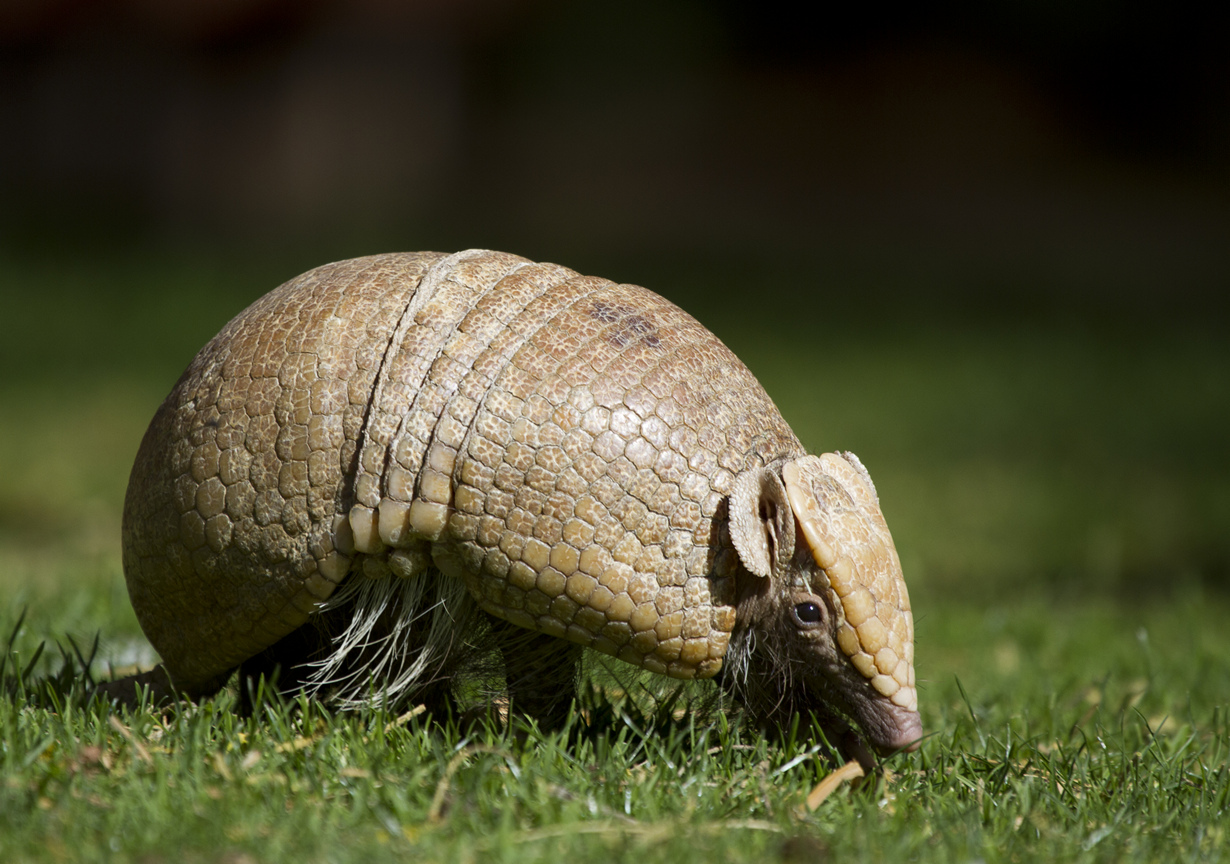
(1030, 157)
(986, 246)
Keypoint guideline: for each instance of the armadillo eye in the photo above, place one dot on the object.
(808, 614)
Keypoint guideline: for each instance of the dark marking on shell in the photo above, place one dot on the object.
(631, 324)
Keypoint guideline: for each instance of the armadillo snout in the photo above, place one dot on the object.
(890, 728)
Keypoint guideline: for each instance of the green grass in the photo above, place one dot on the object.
(1078, 735)
(1059, 492)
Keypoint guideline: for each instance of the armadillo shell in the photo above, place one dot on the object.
(561, 443)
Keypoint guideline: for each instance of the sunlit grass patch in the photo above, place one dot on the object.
(1060, 497)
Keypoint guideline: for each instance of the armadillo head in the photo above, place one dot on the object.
(828, 613)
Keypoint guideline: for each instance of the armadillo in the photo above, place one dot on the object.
(388, 460)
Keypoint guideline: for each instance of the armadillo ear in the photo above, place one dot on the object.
(761, 521)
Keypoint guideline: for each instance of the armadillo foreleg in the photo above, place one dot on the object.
(540, 673)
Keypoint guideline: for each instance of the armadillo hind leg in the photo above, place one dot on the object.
(540, 673)
(289, 665)
(422, 641)
(396, 641)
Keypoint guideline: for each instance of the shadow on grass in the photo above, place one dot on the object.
(636, 715)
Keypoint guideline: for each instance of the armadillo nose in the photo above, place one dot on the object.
(905, 733)
(909, 733)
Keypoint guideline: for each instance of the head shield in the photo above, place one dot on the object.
(838, 513)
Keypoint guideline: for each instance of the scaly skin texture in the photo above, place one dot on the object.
(565, 447)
